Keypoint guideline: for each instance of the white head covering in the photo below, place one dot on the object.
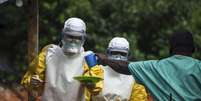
(75, 25)
(119, 44)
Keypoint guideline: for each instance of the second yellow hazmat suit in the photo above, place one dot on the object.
(119, 87)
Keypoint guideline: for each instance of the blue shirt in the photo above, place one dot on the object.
(178, 76)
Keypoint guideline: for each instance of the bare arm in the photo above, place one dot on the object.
(116, 65)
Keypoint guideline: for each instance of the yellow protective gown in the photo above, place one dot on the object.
(138, 93)
(38, 67)
(119, 87)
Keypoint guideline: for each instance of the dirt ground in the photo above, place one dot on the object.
(13, 94)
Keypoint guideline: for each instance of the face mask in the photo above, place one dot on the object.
(71, 47)
(72, 44)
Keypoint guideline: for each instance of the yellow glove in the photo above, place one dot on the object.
(36, 81)
(95, 71)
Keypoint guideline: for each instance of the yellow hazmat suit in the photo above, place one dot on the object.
(39, 67)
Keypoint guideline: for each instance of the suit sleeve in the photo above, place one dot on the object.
(37, 67)
(138, 93)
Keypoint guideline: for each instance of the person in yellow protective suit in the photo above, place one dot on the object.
(119, 87)
(52, 73)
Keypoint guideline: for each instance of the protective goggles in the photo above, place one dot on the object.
(118, 55)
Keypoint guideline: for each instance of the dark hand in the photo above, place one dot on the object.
(101, 58)
(117, 65)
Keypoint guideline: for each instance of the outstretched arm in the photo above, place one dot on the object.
(117, 65)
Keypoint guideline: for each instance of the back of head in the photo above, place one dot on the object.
(181, 43)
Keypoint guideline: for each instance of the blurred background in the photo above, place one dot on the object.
(26, 26)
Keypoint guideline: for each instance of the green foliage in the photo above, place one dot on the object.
(147, 24)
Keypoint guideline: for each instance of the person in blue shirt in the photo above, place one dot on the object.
(176, 78)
